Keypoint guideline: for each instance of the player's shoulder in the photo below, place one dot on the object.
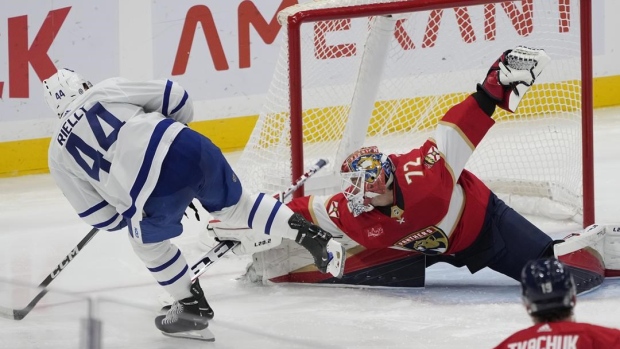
(597, 328)
(110, 83)
(571, 328)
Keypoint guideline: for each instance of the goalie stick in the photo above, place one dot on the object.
(18, 314)
(224, 246)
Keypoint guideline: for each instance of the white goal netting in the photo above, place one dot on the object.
(385, 80)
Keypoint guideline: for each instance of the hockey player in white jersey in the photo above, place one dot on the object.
(123, 156)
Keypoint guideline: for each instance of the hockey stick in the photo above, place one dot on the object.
(18, 314)
(224, 246)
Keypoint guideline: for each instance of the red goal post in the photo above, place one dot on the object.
(360, 72)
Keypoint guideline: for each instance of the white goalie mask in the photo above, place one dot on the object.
(62, 88)
(352, 186)
(365, 174)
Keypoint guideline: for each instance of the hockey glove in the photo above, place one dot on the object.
(512, 75)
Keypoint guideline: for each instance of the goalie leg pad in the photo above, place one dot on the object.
(251, 241)
(611, 251)
(593, 236)
(584, 253)
(605, 239)
(586, 266)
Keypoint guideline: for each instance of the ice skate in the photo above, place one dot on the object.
(167, 300)
(329, 255)
(188, 318)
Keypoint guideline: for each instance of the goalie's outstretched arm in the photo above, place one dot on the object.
(463, 127)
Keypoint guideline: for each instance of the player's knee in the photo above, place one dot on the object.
(152, 252)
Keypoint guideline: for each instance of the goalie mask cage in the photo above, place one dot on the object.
(369, 72)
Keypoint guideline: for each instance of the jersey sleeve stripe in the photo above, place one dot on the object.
(145, 168)
(174, 279)
(181, 103)
(164, 107)
(254, 209)
(167, 264)
(93, 209)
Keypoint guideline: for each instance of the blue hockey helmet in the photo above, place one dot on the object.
(547, 285)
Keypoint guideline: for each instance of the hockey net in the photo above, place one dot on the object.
(369, 72)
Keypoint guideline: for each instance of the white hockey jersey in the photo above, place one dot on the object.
(107, 152)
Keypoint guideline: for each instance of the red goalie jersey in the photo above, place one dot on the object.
(563, 335)
(400, 213)
(438, 207)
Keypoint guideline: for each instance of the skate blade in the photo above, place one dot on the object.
(336, 265)
(202, 335)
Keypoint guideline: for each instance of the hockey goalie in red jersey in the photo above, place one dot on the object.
(399, 213)
(424, 201)
(549, 295)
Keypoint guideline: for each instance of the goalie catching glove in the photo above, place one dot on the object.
(250, 241)
(512, 75)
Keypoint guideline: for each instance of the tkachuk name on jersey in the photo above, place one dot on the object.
(67, 126)
(547, 342)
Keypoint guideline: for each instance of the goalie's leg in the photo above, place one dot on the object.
(584, 253)
(264, 213)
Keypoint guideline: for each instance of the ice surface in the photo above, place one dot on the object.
(455, 310)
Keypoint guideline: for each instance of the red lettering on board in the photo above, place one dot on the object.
(21, 56)
(521, 19)
(199, 14)
(332, 51)
(248, 15)
(520, 13)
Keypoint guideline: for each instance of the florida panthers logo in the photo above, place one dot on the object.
(431, 245)
(431, 241)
